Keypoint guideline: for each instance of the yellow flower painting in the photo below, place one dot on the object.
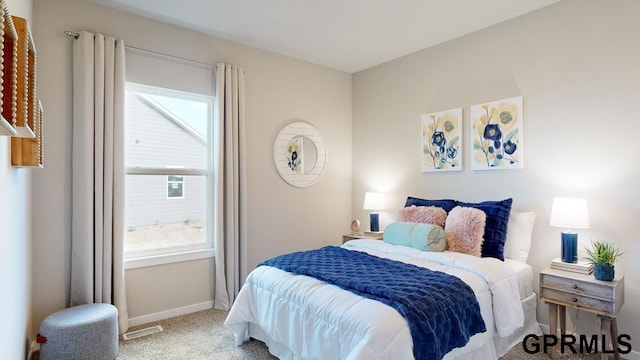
(442, 141)
(496, 135)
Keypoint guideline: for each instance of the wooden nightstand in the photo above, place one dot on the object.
(560, 289)
(348, 237)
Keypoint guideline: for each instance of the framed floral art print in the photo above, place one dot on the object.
(442, 141)
(496, 134)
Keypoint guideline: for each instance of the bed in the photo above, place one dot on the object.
(322, 321)
(301, 317)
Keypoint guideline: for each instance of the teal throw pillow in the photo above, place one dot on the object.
(424, 237)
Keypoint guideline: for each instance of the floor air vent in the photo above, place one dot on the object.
(142, 332)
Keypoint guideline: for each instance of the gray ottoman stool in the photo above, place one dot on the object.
(80, 332)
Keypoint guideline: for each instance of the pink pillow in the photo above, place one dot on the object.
(464, 230)
(423, 214)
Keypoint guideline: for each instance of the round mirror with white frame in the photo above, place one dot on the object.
(300, 154)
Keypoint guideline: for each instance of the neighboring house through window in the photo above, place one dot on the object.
(169, 172)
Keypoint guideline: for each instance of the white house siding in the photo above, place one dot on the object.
(161, 142)
(153, 140)
(156, 208)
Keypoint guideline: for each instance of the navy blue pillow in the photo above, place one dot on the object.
(446, 204)
(495, 230)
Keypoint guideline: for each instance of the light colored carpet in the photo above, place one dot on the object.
(202, 335)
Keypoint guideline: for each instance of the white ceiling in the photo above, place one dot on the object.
(348, 35)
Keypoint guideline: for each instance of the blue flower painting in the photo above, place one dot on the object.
(294, 155)
(497, 134)
(442, 141)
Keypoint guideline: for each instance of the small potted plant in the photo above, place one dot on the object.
(603, 254)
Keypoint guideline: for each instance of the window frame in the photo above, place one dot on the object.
(158, 256)
(180, 182)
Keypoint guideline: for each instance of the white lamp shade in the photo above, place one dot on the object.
(373, 201)
(569, 213)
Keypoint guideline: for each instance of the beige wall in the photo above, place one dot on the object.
(576, 64)
(278, 89)
(15, 239)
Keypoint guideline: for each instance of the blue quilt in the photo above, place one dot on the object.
(442, 310)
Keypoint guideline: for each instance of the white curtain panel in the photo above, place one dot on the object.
(98, 174)
(231, 230)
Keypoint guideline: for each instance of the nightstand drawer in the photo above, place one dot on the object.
(577, 287)
(582, 291)
(579, 301)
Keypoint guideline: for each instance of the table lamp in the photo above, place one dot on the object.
(373, 201)
(569, 213)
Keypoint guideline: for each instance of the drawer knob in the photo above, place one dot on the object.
(574, 300)
(574, 286)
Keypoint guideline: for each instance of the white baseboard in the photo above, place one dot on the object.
(545, 328)
(144, 319)
(33, 347)
(633, 355)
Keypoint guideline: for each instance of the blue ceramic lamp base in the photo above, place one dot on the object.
(373, 222)
(569, 247)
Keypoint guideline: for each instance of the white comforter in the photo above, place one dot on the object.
(300, 317)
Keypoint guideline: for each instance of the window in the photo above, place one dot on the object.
(169, 172)
(175, 186)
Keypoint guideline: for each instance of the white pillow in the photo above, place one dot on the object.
(519, 231)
